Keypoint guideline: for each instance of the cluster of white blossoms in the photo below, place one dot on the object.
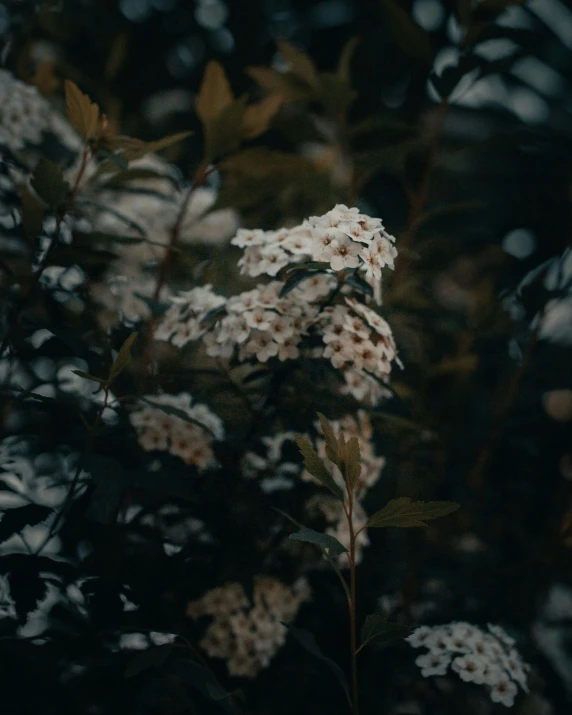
(26, 117)
(488, 659)
(248, 635)
(259, 324)
(190, 440)
(343, 237)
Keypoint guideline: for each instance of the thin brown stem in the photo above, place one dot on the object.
(352, 603)
(201, 175)
(419, 199)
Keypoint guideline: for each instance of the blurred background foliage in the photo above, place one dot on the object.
(452, 122)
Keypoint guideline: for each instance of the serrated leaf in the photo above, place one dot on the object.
(14, 520)
(288, 85)
(405, 512)
(324, 541)
(299, 62)
(316, 467)
(308, 641)
(377, 626)
(331, 441)
(32, 212)
(257, 117)
(82, 113)
(352, 466)
(87, 376)
(123, 358)
(49, 183)
(410, 37)
(149, 658)
(215, 94)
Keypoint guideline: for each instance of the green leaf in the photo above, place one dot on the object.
(224, 133)
(384, 631)
(324, 541)
(297, 277)
(308, 642)
(331, 441)
(32, 212)
(352, 466)
(87, 376)
(174, 412)
(49, 183)
(406, 513)
(410, 37)
(360, 284)
(123, 358)
(14, 520)
(148, 658)
(316, 466)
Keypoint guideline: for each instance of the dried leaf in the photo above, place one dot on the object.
(257, 117)
(300, 63)
(215, 94)
(82, 113)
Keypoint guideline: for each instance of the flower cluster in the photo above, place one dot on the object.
(248, 635)
(26, 117)
(343, 237)
(188, 436)
(488, 659)
(262, 325)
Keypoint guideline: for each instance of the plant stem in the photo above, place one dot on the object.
(201, 175)
(352, 603)
(419, 199)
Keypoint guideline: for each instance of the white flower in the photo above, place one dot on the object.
(263, 346)
(504, 692)
(433, 663)
(419, 636)
(470, 668)
(344, 254)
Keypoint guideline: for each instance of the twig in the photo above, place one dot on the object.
(201, 175)
(419, 199)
